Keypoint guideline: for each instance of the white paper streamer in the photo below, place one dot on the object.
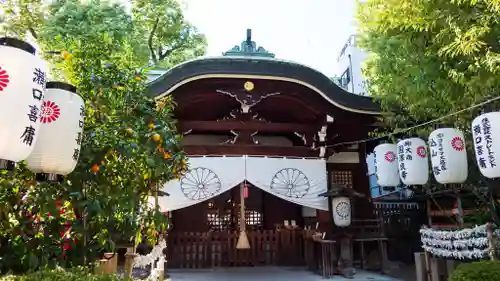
(141, 261)
(469, 243)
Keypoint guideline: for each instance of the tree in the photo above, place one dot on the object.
(431, 58)
(157, 31)
(170, 39)
(130, 147)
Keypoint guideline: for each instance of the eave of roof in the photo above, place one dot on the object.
(261, 68)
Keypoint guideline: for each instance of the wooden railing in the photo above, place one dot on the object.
(218, 249)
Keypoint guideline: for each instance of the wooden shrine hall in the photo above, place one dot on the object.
(261, 130)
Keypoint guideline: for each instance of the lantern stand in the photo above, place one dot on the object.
(342, 196)
(42, 177)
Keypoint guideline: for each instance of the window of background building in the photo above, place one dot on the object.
(345, 78)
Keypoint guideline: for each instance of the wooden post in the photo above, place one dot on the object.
(129, 262)
(434, 266)
(161, 269)
(450, 267)
(100, 267)
(420, 266)
(112, 264)
(428, 266)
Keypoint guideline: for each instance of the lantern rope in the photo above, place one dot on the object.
(413, 127)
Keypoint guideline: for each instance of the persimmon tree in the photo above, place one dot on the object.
(129, 148)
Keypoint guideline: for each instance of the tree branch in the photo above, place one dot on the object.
(150, 41)
(182, 40)
(167, 52)
(33, 32)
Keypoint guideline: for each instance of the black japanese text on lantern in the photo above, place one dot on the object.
(79, 135)
(404, 154)
(437, 151)
(483, 143)
(34, 111)
(375, 164)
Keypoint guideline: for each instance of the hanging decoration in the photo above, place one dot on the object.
(386, 165)
(243, 242)
(22, 86)
(341, 211)
(448, 155)
(465, 244)
(141, 261)
(413, 162)
(486, 136)
(57, 149)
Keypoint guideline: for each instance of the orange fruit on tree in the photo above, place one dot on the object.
(167, 155)
(129, 131)
(66, 55)
(156, 137)
(138, 78)
(151, 125)
(95, 168)
(161, 149)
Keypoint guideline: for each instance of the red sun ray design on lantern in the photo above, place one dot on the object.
(4, 79)
(50, 112)
(421, 151)
(458, 143)
(390, 156)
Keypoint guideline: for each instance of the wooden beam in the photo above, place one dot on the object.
(253, 126)
(230, 149)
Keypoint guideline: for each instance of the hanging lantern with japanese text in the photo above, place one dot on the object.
(22, 86)
(486, 138)
(448, 155)
(341, 211)
(57, 149)
(386, 165)
(413, 162)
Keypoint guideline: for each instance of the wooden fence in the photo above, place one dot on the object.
(218, 249)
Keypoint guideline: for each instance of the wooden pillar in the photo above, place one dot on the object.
(129, 262)
(361, 184)
(420, 266)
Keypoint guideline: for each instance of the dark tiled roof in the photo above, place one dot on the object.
(265, 67)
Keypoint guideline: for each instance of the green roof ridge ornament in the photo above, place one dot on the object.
(248, 49)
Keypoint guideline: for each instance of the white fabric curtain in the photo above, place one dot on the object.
(207, 177)
(295, 180)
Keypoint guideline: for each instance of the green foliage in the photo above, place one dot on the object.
(129, 147)
(431, 58)
(156, 31)
(169, 38)
(62, 275)
(482, 270)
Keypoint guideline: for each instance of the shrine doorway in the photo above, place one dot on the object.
(205, 235)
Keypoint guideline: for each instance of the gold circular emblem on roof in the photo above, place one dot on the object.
(248, 86)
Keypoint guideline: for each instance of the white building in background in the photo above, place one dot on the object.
(349, 62)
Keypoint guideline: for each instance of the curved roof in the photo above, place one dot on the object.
(261, 68)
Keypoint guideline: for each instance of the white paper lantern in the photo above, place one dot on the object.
(22, 83)
(58, 147)
(448, 155)
(413, 162)
(486, 137)
(386, 165)
(341, 211)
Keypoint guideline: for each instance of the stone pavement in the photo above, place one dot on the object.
(270, 273)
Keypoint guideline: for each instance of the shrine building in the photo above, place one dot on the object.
(272, 133)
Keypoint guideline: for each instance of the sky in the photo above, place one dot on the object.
(310, 32)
